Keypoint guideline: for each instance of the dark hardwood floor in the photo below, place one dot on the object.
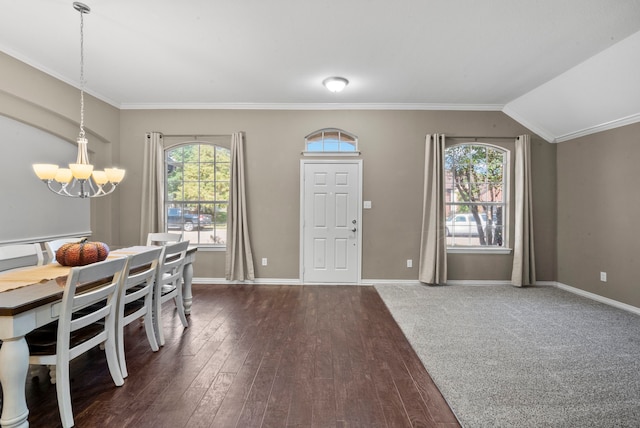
(258, 356)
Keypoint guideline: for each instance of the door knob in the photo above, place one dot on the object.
(354, 229)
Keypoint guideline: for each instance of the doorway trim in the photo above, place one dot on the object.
(303, 163)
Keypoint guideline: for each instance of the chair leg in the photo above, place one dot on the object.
(157, 322)
(112, 359)
(151, 334)
(63, 391)
(120, 349)
(180, 307)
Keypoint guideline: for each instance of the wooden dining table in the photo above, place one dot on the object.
(30, 298)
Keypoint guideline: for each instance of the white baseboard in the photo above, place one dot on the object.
(470, 282)
(391, 282)
(272, 281)
(598, 298)
(260, 281)
(466, 282)
(365, 282)
(295, 281)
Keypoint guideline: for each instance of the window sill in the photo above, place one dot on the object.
(204, 247)
(478, 250)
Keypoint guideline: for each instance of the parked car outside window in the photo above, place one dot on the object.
(177, 219)
(464, 224)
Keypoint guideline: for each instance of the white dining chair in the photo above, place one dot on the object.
(20, 255)
(168, 286)
(87, 319)
(52, 247)
(163, 238)
(135, 299)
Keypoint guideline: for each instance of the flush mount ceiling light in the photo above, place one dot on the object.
(335, 84)
(80, 180)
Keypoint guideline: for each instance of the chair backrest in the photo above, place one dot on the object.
(111, 273)
(52, 247)
(139, 276)
(163, 238)
(170, 266)
(20, 255)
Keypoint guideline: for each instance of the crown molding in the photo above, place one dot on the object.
(28, 61)
(628, 120)
(310, 106)
(535, 128)
(612, 124)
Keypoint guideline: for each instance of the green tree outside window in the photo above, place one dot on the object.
(197, 191)
(475, 184)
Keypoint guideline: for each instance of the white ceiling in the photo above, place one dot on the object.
(544, 62)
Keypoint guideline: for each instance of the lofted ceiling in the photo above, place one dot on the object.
(561, 68)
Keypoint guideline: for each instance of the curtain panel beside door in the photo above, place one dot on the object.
(239, 258)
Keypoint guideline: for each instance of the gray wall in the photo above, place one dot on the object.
(598, 213)
(392, 146)
(43, 102)
(30, 212)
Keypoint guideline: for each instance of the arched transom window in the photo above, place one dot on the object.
(331, 140)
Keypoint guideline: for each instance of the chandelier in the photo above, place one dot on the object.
(80, 180)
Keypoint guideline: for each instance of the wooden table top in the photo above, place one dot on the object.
(38, 285)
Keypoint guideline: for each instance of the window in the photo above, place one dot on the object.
(475, 195)
(197, 192)
(331, 140)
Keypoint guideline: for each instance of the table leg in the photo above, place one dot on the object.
(14, 365)
(187, 296)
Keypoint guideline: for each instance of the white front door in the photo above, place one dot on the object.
(330, 213)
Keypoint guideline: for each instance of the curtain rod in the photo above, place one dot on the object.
(480, 138)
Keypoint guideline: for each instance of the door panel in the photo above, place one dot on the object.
(331, 213)
(319, 251)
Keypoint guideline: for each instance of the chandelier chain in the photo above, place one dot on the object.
(82, 133)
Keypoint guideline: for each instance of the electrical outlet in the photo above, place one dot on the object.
(264, 261)
(603, 276)
(409, 263)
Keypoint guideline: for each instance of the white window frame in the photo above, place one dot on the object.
(506, 177)
(203, 245)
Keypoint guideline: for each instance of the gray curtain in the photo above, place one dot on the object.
(151, 213)
(524, 266)
(433, 243)
(239, 260)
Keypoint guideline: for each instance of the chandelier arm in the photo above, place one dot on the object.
(87, 188)
(61, 191)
